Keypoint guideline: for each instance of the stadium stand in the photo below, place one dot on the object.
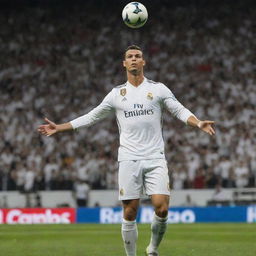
(59, 61)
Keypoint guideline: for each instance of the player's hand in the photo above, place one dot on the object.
(206, 126)
(47, 129)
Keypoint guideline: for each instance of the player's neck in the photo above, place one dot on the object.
(135, 80)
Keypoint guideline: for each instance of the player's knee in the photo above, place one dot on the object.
(162, 211)
(130, 213)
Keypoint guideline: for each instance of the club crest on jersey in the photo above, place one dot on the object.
(150, 96)
(123, 92)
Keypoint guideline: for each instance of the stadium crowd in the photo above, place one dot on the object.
(60, 61)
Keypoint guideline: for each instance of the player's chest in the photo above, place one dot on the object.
(137, 99)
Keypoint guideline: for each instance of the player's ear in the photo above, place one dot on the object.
(144, 62)
(124, 63)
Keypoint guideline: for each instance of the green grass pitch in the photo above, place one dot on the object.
(105, 240)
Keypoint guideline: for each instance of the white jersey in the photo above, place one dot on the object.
(139, 117)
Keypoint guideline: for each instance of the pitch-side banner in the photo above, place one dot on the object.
(110, 215)
(38, 216)
(176, 215)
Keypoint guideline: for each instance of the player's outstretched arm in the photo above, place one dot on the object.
(205, 126)
(51, 128)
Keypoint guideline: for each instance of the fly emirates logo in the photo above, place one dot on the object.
(138, 110)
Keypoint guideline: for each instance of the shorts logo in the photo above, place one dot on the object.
(123, 92)
(150, 96)
(121, 192)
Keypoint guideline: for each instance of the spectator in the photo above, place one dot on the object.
(223, 169)
(199, 181)
(241, 173)
(29, 180)
(179, 176)
(81, 193)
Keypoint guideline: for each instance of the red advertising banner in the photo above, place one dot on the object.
(38, 216)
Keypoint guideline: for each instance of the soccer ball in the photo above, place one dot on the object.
(135, 15)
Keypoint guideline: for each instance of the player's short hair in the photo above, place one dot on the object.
(132, 47)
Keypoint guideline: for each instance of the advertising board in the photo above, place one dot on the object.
(108, 215)
(38, 216)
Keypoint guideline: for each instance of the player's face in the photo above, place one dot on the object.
(134, 61)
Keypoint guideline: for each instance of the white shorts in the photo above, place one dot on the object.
(139, 177)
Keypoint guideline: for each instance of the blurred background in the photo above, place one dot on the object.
(60, 58)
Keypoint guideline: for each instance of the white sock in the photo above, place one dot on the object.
(158, 228)
(130, 236)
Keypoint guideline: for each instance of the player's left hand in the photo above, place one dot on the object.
(206, 126)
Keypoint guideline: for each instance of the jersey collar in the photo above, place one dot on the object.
(139, 86)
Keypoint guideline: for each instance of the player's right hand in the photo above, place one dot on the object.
(47, 129)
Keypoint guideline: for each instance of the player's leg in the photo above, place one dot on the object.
(130, 208)
(129, 226)
(130, 189)
(159, 222)
(157, 186)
